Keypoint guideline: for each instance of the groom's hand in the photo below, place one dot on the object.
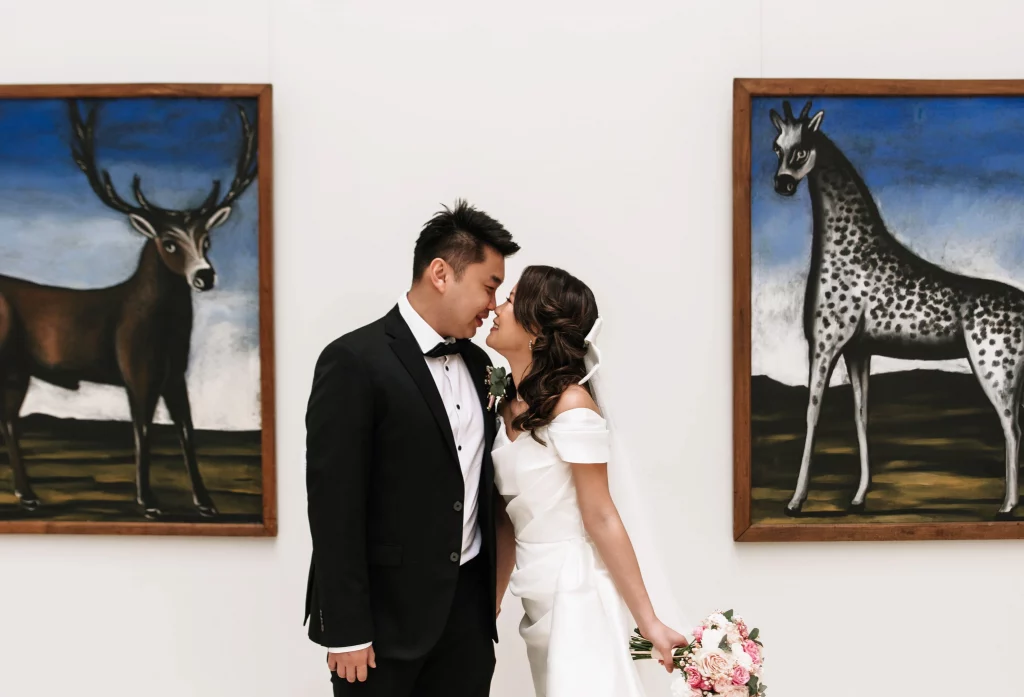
(351, 665)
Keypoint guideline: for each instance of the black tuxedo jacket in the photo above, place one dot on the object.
(385, 492)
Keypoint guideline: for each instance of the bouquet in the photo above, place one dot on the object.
(725, 658)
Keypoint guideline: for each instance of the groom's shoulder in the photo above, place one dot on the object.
(364, 340)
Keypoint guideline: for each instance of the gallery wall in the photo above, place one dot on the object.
(600, 134)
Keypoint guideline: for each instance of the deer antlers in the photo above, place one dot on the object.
(245, 171)
(84, 153)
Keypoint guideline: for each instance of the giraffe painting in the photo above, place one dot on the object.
(868, 294)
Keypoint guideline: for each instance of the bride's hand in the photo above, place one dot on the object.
(665, 640)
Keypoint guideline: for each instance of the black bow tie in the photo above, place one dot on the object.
(447, 348)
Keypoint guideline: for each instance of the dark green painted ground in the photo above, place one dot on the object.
(85, 471)
(936, 451)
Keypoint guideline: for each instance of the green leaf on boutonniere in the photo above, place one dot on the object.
(497, 381)
(497, 385)
(727, 615)
(754, 633)
(724, 644)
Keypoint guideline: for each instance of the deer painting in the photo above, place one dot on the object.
(135, 334)
(867, 294)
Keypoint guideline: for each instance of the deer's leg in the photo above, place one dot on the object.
(15, 387)
(859, 368)
(142, 399)
(175, 394)
(823, 362)
(998, 364)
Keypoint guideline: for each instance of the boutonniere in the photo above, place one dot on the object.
(497, 385)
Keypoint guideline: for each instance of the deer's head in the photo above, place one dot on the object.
(182, 237)
(795, 145)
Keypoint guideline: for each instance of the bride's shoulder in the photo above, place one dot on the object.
(575, 397)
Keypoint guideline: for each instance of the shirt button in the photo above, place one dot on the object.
(454, 556)
(460, 448)
(446, 367)
(458, 506)
(458, 406)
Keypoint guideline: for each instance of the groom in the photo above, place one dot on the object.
(400, 485)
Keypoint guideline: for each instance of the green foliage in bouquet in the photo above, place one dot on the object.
(641, 649)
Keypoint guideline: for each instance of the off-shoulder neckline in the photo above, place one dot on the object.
(501, 420)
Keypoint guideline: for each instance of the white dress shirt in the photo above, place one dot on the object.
(465, 416)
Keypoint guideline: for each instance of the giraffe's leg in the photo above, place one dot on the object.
(1011, 431)
(998, 365)
(823, 362)
(859, 368)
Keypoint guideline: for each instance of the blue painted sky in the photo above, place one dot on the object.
(902, 144)
(53, 229)
(178, 146)
(947, 174)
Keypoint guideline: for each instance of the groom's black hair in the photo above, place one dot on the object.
(459, 236)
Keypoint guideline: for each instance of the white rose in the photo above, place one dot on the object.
(718, 619)
(740, 656)
(680, 688)
(712, 638)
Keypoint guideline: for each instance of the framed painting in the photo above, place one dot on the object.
(136, 310)
(878, 252)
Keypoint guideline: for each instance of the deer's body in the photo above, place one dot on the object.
(136, 334)
(67, 336)
(867, 294)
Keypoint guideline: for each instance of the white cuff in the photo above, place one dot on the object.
(346, 649)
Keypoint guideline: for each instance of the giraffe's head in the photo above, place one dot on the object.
(795, 146)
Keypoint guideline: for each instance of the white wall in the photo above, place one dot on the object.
(599, 133)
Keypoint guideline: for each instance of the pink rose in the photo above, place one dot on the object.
(693, 678)
(714, 665)
(722, 684)
(698, 633)
(734, 691)
(753, 650)
(740, 675)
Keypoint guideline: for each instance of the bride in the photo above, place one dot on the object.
(565, 488)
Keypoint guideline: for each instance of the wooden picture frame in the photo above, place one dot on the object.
(941, 500)
(98, 497)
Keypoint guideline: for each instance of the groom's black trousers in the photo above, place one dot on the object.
(459, 665)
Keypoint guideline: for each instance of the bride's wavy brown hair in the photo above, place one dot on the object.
(560, 310)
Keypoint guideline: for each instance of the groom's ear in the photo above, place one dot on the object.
(438, 274)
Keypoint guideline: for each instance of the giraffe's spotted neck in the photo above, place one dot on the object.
(840, 201)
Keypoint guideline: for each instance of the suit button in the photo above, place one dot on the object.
(458, 506)
(454, 556)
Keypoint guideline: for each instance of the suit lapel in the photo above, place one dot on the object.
(404, 345)
(477, 363)
(478, 370)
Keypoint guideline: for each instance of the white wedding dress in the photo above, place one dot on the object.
(576, 625)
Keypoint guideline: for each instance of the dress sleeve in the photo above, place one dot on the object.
(579, 435)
